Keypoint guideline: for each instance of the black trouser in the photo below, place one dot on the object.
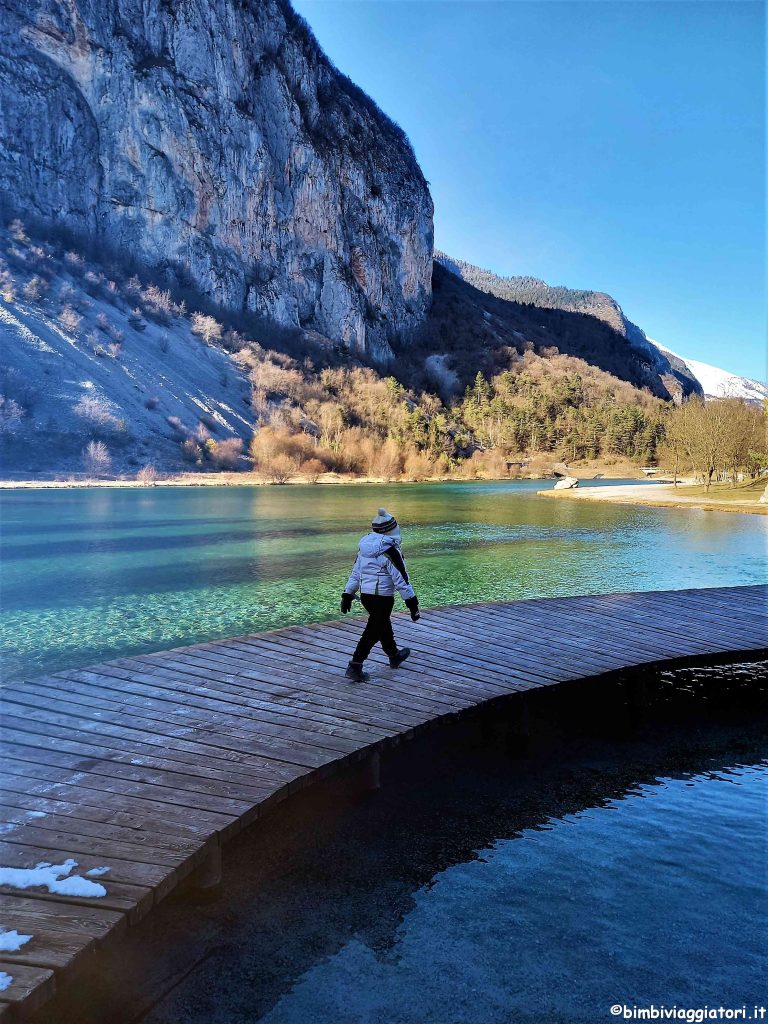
(378, 628)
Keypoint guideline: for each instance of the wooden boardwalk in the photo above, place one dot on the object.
(145, 765)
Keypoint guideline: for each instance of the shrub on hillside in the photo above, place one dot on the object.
(191, 451)
(35, 288)
(207, 328)
(313, 469)
(136, 321)
(7, 286)
(147, 474)
(176, 424)
(97, 410)
(93, 282)
(70, 319)
(227, 454)
(96, 458)
(18, 231)
(158, 303)
(11, 415)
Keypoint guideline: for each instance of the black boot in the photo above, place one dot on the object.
(355, 672)
(400, 657)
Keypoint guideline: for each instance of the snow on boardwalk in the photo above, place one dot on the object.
(121, 779)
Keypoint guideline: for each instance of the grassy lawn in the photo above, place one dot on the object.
(742, 494)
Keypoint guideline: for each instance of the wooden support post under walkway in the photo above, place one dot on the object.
(145, 765)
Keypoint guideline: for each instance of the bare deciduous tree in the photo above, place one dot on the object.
(96, 457)
(207, 328)
(714, 437)
(147, 474)
(70, 319)
(96, 410)
(313, 469)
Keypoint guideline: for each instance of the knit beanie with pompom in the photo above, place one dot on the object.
(383, 522)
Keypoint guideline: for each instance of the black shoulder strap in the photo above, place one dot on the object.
(397, 560)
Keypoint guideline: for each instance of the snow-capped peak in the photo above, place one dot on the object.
(717, 383)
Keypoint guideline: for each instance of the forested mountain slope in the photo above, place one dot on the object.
(103, 374)
(661, 372)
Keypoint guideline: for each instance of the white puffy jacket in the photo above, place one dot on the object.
(380, 568)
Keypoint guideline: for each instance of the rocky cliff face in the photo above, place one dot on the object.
(213, 140)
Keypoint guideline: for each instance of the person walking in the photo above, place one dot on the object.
(378, 573)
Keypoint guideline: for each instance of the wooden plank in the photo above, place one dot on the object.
(22, 776)
(195, 728)
(150, 731)
(134, 901)
(723, 619)
(537, 660)
(626, 647)
(100, 847)
(27, 915)
(610, 636)
(413, 706)
(706, 635)
(56, 950)
(276, 654)
(128, 873)
(252, 722)
(151, 843)
(44, 729)
(316, 681)
(444, 680)
(281, 739)
(32, 986)
(134, 812)
(229, 670)
(238, 690)
(241, 692)
(483, 641)
(173, 787)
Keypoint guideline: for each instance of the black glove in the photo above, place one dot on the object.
(346, 603)
(412, 604)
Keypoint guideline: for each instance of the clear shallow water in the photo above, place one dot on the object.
(656, 898)
(93, 574)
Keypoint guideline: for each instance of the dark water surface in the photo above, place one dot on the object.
(93, 574)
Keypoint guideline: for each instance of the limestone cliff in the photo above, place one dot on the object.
(213, 140)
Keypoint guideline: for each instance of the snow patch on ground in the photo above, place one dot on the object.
(56, 878)
(5, 981)
(7, 318)
(161, 372)
(97, 872)
(11, 941)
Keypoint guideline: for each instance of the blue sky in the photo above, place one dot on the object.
(611, 145)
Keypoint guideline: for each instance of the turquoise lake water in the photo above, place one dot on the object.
(94, 574)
